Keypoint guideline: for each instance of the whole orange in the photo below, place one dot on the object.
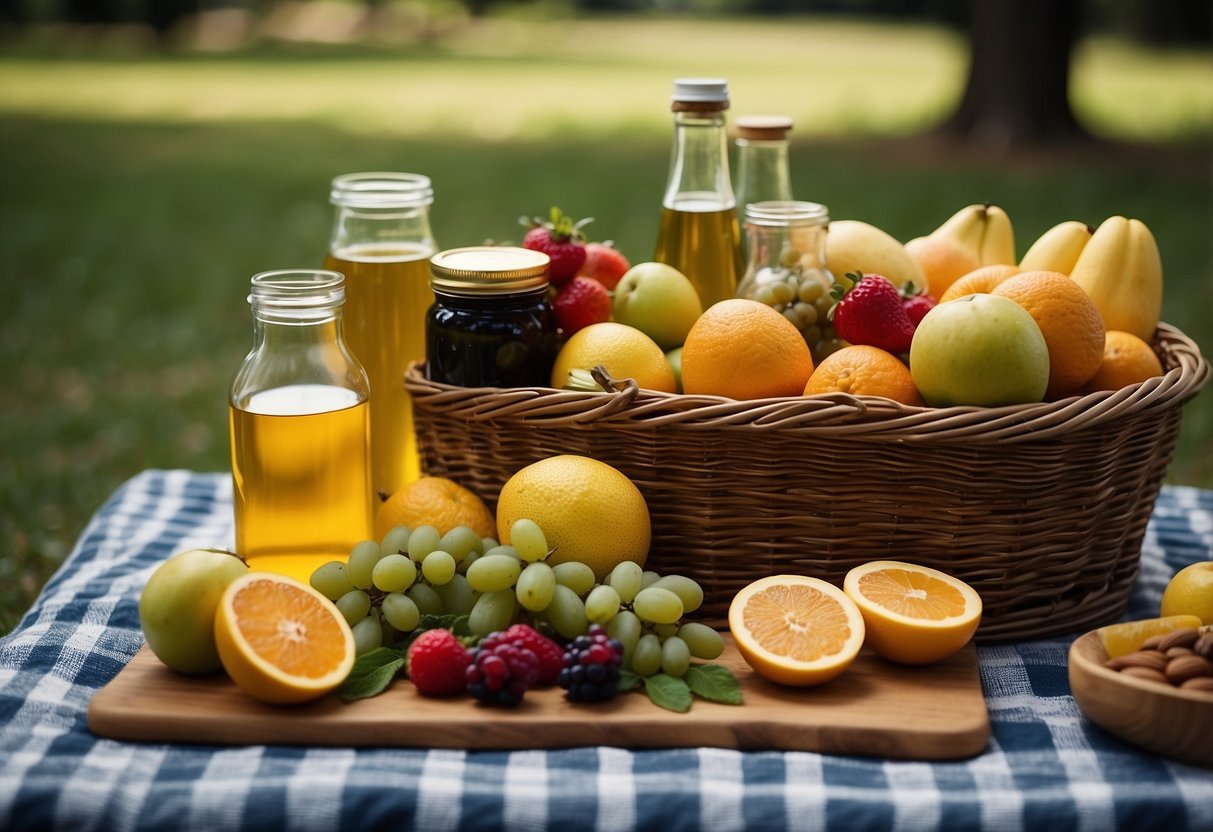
(979, 280)
(863, 370)
(744, 349)
(1126, 360)
(437, 502)
(1072, 326)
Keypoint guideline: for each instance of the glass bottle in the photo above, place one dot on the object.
(763, 174)
(298, 423)
(787, 268)
(382, 243)
(699, 234)
(491, 324)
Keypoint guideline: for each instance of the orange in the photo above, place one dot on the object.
(796, 630)
(1067, 317)
(625, 351)
(437, 502)
(281, 641)
(744, 349)
(1126, 360)
(913, 614)
(943, 261)
(589, 511)
(864, 371)
(1127, 636)
(979, 281)
(1190, 592)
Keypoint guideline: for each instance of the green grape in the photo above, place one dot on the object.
(354, 606)
(330, 580)
(702, 640)
(400, 611)
(664, 631)
(493, 573)
(658, 605)
(685, 588)
(566, 613)
(529, 540)
(426, 599)
(504, 549)
(536, 586)
(461, 541)
(648, 578)
(394, 573)
(361, 564)
(492, 611)
(675, 656)
(626, 629)
(457, 595)
(368, 635)
(601, 604)
(575, 575)
(646, 658)
(626, 579)
(468, 559)
(396, 541)
(422, 541)
(438, 567)
(487, 543)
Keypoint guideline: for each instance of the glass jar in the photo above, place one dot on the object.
(491, 324)
(298, 425)
(787, 268)
(763, 173)
(382, 243)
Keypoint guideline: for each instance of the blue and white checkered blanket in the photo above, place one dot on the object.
(1046, 766)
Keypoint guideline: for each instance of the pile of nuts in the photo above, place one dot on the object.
(1181, 658)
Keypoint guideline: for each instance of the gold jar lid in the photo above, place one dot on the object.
(488, 270)
(763, 128)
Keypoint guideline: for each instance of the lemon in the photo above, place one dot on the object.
(1190, 592)
(625, 351)
(589, 511)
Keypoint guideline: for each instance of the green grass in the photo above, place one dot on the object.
(140, 195)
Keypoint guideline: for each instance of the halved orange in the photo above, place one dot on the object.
(913, 614)
(1127, 636)
(280, 640)
(796, 630)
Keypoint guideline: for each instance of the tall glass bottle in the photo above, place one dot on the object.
(382, 243)
(298, 425)
(699, 234)
(763, 174)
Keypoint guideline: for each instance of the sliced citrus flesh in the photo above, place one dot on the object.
(1126, 637)
(913, 614)
(796, 630)
(281, 641)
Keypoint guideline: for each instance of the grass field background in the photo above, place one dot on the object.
(141, 192)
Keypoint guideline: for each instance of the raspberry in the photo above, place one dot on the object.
(437, 663)
(501, 672)
(550, 656)
(591, 667)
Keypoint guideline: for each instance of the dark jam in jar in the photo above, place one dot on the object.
(491, 324)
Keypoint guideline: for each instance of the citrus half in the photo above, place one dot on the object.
(1127, 636)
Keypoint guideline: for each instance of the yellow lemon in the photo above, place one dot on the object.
(1190, 592)
(625, 351)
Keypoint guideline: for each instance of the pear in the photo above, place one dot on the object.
(857, 247)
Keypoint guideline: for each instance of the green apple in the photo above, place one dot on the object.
(674, 357)
(980, 350)
(177, 608)
(658, 300)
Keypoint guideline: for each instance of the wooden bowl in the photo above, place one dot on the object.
(1164, 720)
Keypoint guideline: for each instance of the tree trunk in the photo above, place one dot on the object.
(1017, 91)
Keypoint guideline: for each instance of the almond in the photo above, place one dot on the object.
(1204, 646)
(1178, 651)
(1146, 673)
(1149, 659)
(1151, 643)
(1182, 668)
(1184, 637)
(1201, 683)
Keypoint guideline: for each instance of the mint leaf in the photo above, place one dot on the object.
(714, 683)
(371, 675)
(668, 692)
(627, 681)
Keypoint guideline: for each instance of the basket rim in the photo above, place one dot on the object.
(872, 417)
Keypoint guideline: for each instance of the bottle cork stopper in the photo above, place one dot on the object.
(763, 128)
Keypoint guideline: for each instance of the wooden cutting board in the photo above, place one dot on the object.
(876, 708)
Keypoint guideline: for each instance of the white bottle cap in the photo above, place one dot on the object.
(701, 89)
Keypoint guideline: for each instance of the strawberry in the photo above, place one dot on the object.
(604, 263)
(560, 239)
(551, 657)
(581, 302)
(915, 302)
(870, 312)
(437, 663)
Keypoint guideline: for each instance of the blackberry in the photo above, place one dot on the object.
(591, 667)
(501, 672)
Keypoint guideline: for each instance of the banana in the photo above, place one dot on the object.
(984, 230)
(1058, 248)
(1121, 271)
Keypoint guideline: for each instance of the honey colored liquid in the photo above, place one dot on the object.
(387, 293)
(300, 477)
(703, 245)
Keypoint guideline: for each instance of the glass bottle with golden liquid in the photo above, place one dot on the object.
(298, 425)
(382, 243)
(699, 233)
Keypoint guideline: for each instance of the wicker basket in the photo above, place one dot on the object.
(1042, 507)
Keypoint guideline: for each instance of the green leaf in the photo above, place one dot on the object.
(371, 675)
(668, 692)
(628, 681)
(460, 626)
(714, 683)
